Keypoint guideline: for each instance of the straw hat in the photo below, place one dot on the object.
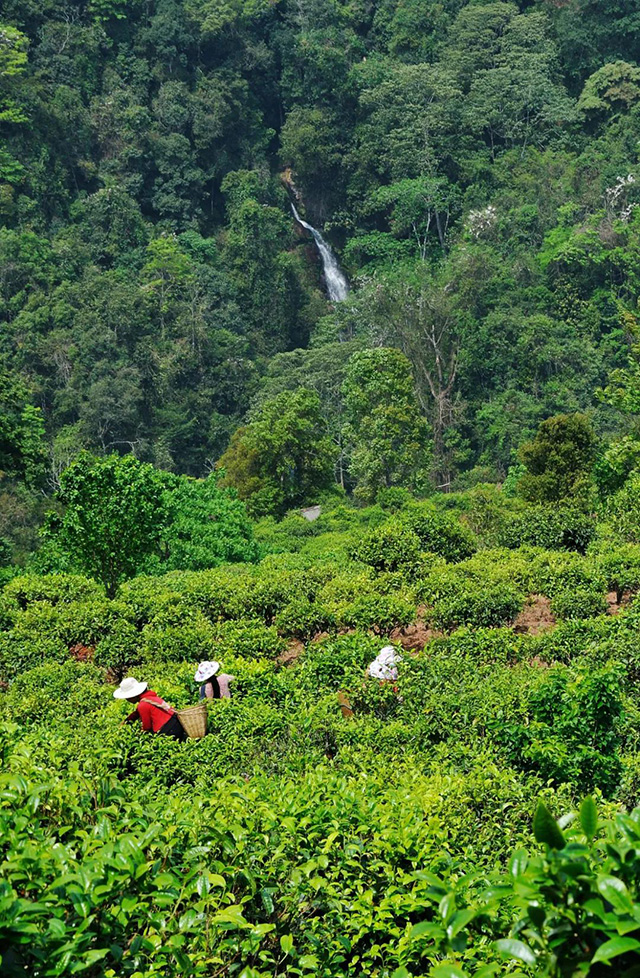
(206, 670)
(129, 688)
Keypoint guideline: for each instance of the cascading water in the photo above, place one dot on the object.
(337, 285)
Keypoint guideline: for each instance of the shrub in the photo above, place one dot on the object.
(391, 547)
(440, 534)
(575, 736)
(249, 639)
(194, 640)
(477, 605)
(52, 588)
(562, 910)
(338, 663)
(303, 619)
(623, 509)
(382, 612)
(579, 603)
(620, 567)
(552, 572)
(393, 498)
(55, 691)
(550, 527)
(120, 649)
(19, 654)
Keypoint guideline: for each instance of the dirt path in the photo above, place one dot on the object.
(536, 616)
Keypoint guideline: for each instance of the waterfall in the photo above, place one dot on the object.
(337, 285)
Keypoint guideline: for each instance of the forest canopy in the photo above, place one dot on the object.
(473, 165)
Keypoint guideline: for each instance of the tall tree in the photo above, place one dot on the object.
(388, 436)
(283, 456)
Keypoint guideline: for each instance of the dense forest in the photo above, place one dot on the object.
(209, 457)
(473, 164)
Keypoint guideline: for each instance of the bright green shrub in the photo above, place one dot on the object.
(552, 573)
(382, 612)
(393, 498)
(120, 650)
(19, 654)
(52, 588)
(622, 511)
(569, 910)
(578, 603)
(337, 662)
(482, 606)
(575, 736)
(620, 565)
(194, 639)
(83, 622)
(441, 534)
(347, 585)
(304, 618)
(486, 646)
(550, 527)
(55, 691)
(266, 596)
(439, 582)
(499, 565)
(249, 639)
(391, 547)
(145, 597)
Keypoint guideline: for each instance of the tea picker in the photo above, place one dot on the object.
(215, 684)
(385, 665)
(158, 716)
(151, 710)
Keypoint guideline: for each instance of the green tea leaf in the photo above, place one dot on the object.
(518, 862)
(545, 828)
(458, 922)
(615, 947)
(447, 971)
(516, 949)
(589, 817)
(614, 890)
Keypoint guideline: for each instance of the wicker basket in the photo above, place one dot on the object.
(194, 720)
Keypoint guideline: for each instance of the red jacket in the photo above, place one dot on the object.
(151, 716)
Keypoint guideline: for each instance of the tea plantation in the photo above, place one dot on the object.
(415, 837)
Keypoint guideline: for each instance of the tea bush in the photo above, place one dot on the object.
(303, 619)
(581, 603)
(441, 535)
(476, 605)
(551, 527)
(393, 546)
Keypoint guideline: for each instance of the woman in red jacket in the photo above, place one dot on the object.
(152, 711)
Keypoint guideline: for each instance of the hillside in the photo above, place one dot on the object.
(301, 838)
(319, 332)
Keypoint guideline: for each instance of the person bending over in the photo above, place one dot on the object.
(215, 684)
(151, 710)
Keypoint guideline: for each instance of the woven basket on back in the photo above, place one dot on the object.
(194, 720)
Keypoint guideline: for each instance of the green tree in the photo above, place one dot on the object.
(114, 514)
(387, 434)
(558, 460)
(612, 88)
(208, 525)
(283, 456)
(13, 64)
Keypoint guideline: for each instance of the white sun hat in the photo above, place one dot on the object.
(385, 665)
(129, 688)
(206, 670)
